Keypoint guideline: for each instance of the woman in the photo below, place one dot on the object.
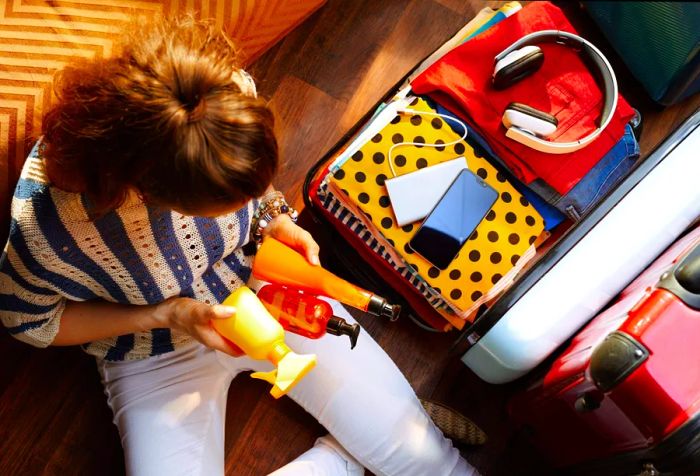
(132, 222)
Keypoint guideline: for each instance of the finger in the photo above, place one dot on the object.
(209, 337)
(303, 241)
(291, 234)
(312, 249)
(220, 311)
(203, 313)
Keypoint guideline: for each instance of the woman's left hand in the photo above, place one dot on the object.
(285, 230)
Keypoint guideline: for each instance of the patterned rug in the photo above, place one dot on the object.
(37, 37)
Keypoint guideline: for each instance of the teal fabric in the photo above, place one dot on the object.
(659, 41)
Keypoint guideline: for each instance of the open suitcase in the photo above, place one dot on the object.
(570, 279)
(624, 397)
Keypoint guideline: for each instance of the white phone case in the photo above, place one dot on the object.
(415, 194)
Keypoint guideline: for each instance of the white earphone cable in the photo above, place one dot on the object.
(419, 144)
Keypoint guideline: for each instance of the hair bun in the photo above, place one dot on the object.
(196, 112)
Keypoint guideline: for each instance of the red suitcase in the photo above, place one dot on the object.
(624, 397)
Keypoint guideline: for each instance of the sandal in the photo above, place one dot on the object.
(453, 424)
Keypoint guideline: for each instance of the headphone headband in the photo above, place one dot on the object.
(607, 74)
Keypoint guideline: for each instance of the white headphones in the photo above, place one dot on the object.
(529, 126)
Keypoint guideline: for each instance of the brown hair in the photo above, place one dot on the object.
(167, 116)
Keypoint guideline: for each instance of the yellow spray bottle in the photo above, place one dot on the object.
(261, 337)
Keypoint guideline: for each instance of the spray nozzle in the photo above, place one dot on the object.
(338, 326)
(379, 306)
(289, 372)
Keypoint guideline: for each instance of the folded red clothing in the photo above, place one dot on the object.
(563, 86)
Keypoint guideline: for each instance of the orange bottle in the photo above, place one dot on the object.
(305, 314)
(275, 262)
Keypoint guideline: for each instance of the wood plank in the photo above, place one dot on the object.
(302, 110)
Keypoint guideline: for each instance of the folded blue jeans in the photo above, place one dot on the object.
(602, 178)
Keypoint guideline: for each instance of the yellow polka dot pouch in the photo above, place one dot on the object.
(498, 242)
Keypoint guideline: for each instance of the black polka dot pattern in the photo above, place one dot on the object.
(501, 238)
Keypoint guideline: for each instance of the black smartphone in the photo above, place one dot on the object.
(453, 219)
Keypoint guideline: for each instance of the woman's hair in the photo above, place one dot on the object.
(169, 116)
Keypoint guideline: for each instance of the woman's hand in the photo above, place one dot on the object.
(285, 230)
(194, 318)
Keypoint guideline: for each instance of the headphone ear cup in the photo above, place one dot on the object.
(529, 119)
(517, 65)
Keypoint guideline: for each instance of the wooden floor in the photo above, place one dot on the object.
(321, 78)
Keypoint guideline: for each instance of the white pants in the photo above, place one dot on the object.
(170, 411)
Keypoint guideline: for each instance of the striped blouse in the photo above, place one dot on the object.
(134, 255)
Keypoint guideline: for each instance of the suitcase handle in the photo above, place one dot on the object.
(683, 279)
(688, 273)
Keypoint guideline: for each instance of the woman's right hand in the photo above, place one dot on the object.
(194, 318)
